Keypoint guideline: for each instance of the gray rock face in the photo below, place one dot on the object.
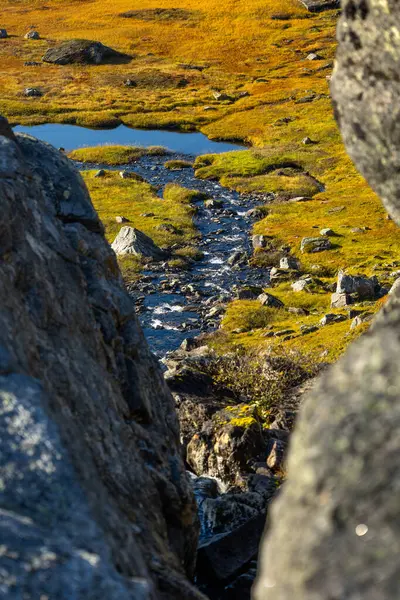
(343, 469)
(289, 262)
(366, 288)
(94, 499)
(366, 71)
(132, 241)
(83, 52)
(340, 300)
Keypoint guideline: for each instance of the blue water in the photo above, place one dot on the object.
(72, 136)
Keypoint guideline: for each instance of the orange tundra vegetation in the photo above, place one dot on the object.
(235, 70)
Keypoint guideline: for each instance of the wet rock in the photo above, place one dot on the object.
(311, 245)
(228, 511)
(33, 93)
(239, 257)
(83, 52)
(32, 35)
(330, 318)
(132, 241)
(307, 141)
(256, 213)
(224, 555)
(3, 34)
(340, 300)
(240, 587)
(366, 288)
(120, 219)
(289, 262)
(266, 299)
(213, 203)
(100, 173)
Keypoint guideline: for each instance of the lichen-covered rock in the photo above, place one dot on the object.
(82, 52)
(343, 467)
(94, 499)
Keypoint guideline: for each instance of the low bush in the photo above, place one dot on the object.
(263, 379)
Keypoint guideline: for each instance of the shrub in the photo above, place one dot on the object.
(262, 379)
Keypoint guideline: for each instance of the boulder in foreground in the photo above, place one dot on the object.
(83, 52)
(94, 498)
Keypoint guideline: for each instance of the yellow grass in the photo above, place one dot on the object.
(258, 47)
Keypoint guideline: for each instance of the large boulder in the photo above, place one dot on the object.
(343, 468)
(365, 288)
(83, 52)
(94, 498)
(132, 241)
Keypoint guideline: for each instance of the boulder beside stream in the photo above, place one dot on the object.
(132, 241)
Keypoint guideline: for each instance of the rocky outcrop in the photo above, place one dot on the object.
(83, 52)
(343, 468)
(94, 499)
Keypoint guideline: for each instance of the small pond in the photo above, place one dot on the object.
(72, 136)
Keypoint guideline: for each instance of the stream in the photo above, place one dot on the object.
(174, 305)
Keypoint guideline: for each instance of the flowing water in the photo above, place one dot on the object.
(175, 305)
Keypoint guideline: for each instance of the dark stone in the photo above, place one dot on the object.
(224, 555)
(83, 52)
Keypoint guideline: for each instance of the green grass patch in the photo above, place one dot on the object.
(114, 155)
